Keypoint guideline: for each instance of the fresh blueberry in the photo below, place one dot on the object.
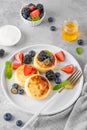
(15, 85)
(80, 42)
(25, 12)
(42, 56)
(53, 28)
(41, 14)
(2, 52)
(57, 80)
(32, 53)
(50, 75)
(14, 90)
(20, 91)
(40, 7)
(50, 58)
(27, 59)
(57, 74)
(31, 4)
(7, 116)
(50, 19)
(25, 16)
(19, 123)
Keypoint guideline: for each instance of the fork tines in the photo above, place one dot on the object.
(75, 77)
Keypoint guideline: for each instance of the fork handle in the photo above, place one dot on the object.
(61, 89)
(38, 112)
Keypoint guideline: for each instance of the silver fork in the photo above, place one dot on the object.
(72, 80)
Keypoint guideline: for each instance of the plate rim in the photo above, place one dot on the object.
(22, 109)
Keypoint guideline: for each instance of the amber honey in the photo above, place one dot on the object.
(70, 30)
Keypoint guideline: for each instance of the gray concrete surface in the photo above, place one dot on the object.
(60, 10)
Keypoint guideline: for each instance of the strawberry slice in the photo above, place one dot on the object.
(15, 65)
(35, 13)
(68, 69)
(31, 7)
(60, 56)
(28, 70)
(19, 57)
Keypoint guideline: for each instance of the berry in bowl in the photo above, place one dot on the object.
(33, 14)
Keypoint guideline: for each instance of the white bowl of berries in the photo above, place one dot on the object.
(33, 14)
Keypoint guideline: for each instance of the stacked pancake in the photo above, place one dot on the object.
(36, 85)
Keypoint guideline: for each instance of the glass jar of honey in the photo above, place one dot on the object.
(70, 30)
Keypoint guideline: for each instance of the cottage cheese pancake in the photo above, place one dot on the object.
(20, 76)
(37, 87)
(44, 61)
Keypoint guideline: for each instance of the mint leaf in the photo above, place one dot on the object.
(62, 84)
(8, 64)
(37, 18)
(79, 50)
(30, 19)
(34, 19)
(48, 52)
(8, 69)
(56, 87)
(8, 73)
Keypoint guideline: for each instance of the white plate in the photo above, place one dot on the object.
(9, 35)
(63, 100)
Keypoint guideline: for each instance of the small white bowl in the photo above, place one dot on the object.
(33, 23)
(9, 35)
